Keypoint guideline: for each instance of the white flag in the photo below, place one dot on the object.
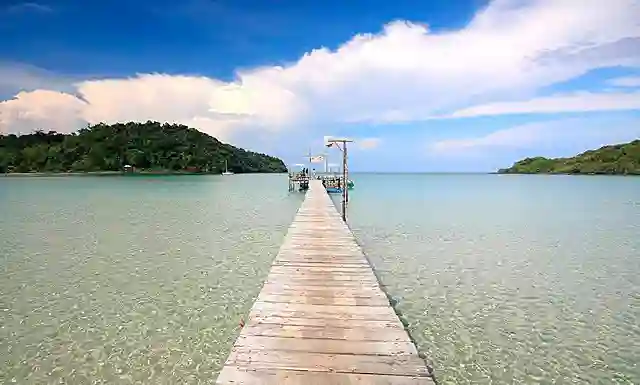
(317, 159)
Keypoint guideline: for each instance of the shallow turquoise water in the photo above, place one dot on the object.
(124, 280)
(510, 279)
(504, 279)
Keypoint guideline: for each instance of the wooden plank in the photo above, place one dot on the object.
(321, 236)
(323, 276)
(328, 262)
(321, 271)
(346, 289)
(325, 265)
(338, 309)
(391, 317)
(327, 277)
(326, 300)
(404, 365)
(321, 316)
(322, 283)
(336, 241)
(328, 322)
(322, 252)
(340, 292)
(322, 267)
(314, 249)
(324, 246)
(323, 280)
(326, 253)
(330, 332)
(319, 242)
(326, 258)
(312, 313)
(320, 230)
(232, 375)
(325, 345)
(325, 292)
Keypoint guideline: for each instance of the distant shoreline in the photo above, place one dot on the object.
(102, 173)
(175, 173)
(563, 174)
(618, 159)
(21, 174)
(141, 148)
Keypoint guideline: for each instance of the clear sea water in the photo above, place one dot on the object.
(503, 279)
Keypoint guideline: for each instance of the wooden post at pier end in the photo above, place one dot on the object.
(345, 170)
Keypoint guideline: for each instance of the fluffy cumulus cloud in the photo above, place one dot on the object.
(180, 99)
(509, 51)
(41, 109)
(540, 137)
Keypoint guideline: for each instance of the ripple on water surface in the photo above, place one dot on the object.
(132, 280)
(510, 279)
(142, 280)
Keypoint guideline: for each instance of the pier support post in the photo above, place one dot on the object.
(345, 190)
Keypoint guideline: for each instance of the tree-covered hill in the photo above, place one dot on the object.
(620, 159)
(147, 146)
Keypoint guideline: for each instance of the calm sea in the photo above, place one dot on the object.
(503, 279)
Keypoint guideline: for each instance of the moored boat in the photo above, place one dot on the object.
(226, 169)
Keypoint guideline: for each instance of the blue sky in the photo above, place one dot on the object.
(469, 85)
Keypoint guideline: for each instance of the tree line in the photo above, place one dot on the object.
(148, 146)
(620, 159)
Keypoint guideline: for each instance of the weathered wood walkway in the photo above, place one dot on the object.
(321, 317)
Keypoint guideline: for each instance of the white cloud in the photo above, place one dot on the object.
(576, 102)
(41, 109)
(629, 81)
(146, 97)
(180, 99)
(510, 50)
(368, 143)
(540, 136)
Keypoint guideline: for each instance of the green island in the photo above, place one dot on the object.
(619, 159)
(149, 147)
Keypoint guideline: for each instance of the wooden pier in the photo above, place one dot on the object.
(321, 317)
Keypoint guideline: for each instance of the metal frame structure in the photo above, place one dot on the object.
(330, 142)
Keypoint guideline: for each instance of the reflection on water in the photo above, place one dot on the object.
(511, 279)
(114, 280)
